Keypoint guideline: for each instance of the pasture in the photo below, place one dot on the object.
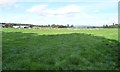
(60, 49)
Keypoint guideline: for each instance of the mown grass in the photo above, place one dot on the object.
(60, 49)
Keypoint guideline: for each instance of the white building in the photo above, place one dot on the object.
(16, 26)
(21, 27)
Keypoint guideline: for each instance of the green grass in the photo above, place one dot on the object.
(107, 33)
(60, 49)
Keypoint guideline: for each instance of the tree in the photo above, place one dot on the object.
(31, 26)
(48, 25)
(68, 25)
(106, 26)
(113, 24)
(72, 26)
(53, 25)
(8, 25)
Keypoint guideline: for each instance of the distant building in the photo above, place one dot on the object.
(2, 25)
(21, 27)
(14, 25)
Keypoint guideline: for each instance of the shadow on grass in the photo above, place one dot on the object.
(29, 51)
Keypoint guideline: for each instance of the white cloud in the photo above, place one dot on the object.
(66, 10)
(7, 2)
(68, 0)
(75, 14)
(17, 5)
(38, 9)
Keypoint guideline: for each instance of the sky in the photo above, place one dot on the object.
(62, 12)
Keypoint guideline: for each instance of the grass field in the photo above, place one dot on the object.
(60, 49)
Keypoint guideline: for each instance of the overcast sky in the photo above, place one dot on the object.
(44, 12)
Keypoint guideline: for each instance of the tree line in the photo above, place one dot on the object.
(111, 26)
(54, 26)
(10, 25)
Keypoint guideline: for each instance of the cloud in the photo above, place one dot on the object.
(73, 14)
(7, 2)
(17, 5)
(68, 0)
(38, 9)
(45, 10)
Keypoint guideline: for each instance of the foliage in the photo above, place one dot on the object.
(111, 26)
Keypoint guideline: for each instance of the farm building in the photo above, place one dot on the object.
(14, 25)
(2, 25)
(21, 27)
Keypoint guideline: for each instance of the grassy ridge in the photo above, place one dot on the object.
(63, 49)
